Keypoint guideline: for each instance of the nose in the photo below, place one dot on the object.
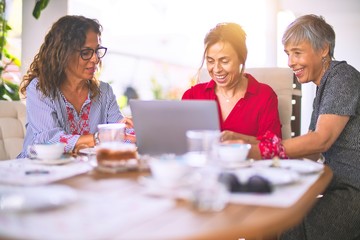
(94, 58)
(291, 61)
(217, 67)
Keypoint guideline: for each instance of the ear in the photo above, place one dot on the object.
(325, 50)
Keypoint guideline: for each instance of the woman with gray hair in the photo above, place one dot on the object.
(334, 130)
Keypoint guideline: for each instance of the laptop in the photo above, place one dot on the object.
(161, 125)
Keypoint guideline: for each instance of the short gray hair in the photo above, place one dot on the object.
(311, 28)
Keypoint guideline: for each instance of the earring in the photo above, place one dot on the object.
(241, 68)
(325, 64)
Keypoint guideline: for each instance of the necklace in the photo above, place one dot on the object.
(235, 92)
(227, 99)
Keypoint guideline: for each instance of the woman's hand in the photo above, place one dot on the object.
(129, 131)
(229, 136)
(128, 122)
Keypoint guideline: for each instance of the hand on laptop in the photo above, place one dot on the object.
(228, 136)
(129, 131)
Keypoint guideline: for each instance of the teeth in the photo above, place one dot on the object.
(297, 71)
(221, 77)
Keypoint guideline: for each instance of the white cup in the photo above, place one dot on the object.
(167, 170)
(232, 152)
(111, 132)
(49, 151)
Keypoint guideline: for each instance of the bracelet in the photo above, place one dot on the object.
(270, 146)
(96, 138)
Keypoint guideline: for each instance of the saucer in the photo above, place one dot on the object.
(60, 161)
(116, 167)
(88, 151)
(305, 166)
(236, 164)
(24, 199)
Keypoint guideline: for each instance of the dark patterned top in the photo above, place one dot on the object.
(339, 93)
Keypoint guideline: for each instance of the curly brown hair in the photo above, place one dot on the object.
(64, 39)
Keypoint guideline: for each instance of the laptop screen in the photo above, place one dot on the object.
(161, 125)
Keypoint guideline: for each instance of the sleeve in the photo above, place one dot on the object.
(113, 113)
(43, 119)
(269, 119)
(341, 93)
(188, 94)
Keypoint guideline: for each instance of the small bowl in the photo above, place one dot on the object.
(233, 152)
(168, 170)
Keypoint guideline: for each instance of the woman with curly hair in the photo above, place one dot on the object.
(64, 100)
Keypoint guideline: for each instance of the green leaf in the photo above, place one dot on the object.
(37, 10)
(2, 91)
(11, 90)
(39, 6)
(8, 27)
(45, 3)
(16, 61)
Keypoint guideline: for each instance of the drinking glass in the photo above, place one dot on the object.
(111, 132)
(201, 146)
(208, 193)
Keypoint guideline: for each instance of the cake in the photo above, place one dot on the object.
(115, 154)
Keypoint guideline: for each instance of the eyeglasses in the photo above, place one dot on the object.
(87, 53)
(255, 184)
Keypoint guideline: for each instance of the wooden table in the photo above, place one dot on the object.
(181, 221)
(114, 206)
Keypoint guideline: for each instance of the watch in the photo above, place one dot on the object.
(96, 138)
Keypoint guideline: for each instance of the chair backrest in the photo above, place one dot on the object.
(281, 80)
(12, 128)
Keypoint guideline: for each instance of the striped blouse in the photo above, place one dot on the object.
(56, 120)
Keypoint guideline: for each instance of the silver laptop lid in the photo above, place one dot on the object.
(161, 125)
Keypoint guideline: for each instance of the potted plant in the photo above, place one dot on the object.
(9, 90)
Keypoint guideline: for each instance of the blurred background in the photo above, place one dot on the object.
(155, 46)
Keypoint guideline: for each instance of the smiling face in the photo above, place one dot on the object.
(84, 69)
(305, 61)
(223, 64)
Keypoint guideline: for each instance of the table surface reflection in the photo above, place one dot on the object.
(119, 209)
(183, 222)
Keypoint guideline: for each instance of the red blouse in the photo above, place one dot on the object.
(254, 114)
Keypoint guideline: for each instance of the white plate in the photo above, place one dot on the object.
(116, 167)
(301, 166)
(88, 151)
(276, 176)
(36, 198)
(60, 161)
(151, 182)
(237, 164)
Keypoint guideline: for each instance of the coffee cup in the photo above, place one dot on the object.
(168, 170)
(46, 151)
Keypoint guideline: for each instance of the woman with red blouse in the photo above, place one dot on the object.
(247, 108)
